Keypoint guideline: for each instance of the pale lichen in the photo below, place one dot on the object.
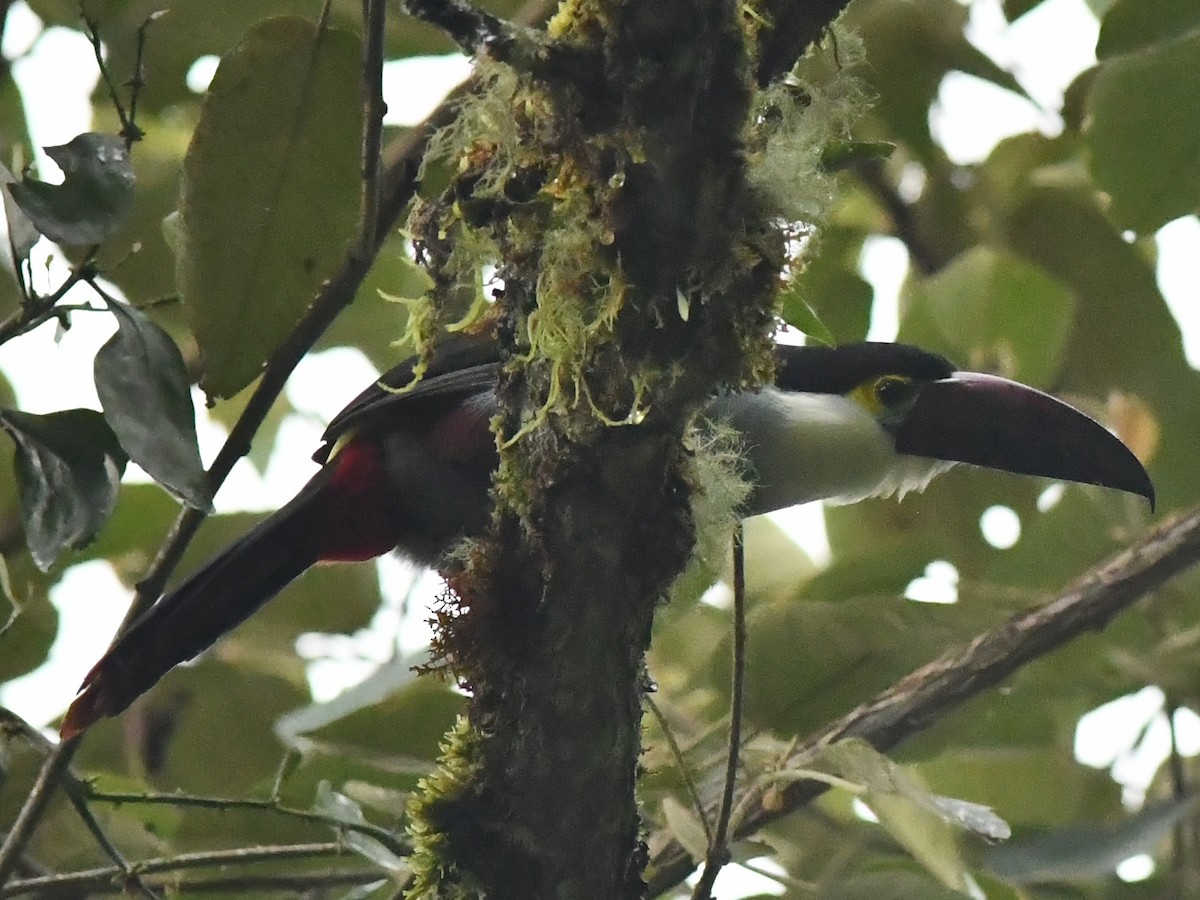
(795, 121)
(718, 474)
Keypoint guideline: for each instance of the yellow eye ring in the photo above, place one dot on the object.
(890, 391)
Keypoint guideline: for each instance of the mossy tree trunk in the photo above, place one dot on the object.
(607, 173)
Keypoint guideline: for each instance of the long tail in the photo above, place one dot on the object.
(215, 599)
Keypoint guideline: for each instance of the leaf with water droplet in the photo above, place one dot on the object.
(95, 195)
(68, 467)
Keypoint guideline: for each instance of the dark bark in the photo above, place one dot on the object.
(637, 123)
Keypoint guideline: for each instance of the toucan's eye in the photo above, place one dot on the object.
(894, 390)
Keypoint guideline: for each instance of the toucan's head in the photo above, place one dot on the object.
(873, 419)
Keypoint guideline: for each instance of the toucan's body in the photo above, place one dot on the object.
(410, 469)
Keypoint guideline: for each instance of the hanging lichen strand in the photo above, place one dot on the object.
(604, 180)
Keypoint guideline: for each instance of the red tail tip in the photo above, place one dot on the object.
(90, 706)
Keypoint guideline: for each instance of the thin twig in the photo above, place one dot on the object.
(300, 884)
(374, 20)
(129, 876)
(684, 770)
(928, 694)
(13, 725)
(129, 130)
(1181, 849)
(182, 862)
(34, 313)
(382, 835)
(902, 215)
(53, 769)
(718, 845)
(137, 80)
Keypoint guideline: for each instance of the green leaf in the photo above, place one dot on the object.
(904, 807)
(840, 155)
(143, 387)
(1014, 9)
(96, 192)
(1124, 337)
(22, 234)
(687, 828)
(427, 706)
(1015, 752)
(818, 659)
(269, 197)
(32, 624)
(830, 289)
(1088, 851)
(910, 48)
(889, 885)
(9, 596)
(1145, 134)
(797, 313)
(337, 805)
(385, 681)
(212, 734)
(1131, 25)
(68, 467)
(976, 817)
(388, 801)
(992, 311)
(365, 891)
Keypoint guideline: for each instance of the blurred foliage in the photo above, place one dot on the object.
(1036, 263)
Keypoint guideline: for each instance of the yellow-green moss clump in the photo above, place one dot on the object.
(435, 872)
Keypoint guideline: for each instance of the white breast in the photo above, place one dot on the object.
(803, 447)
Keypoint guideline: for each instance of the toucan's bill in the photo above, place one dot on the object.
(989, 421)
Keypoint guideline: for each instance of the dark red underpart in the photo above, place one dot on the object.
(355, 513)
(461, 434)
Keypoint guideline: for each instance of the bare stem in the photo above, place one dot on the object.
(382, 835)
(182, 862)
(718, 846)
(374, 19)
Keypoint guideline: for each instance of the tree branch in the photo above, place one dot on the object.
(393, 842)
(182, 862)
(718, 845)
(902, 215)
(928, 694)
(791, 27)
(374, 20)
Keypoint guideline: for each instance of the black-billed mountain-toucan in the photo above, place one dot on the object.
(411, 470)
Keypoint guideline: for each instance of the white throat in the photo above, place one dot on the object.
(804, 447)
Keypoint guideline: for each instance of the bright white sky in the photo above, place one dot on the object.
(1045, 49)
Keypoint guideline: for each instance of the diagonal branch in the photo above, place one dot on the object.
(928, 694)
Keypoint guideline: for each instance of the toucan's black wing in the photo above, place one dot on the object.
(460, 366)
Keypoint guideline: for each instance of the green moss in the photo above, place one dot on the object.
(436, 875)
